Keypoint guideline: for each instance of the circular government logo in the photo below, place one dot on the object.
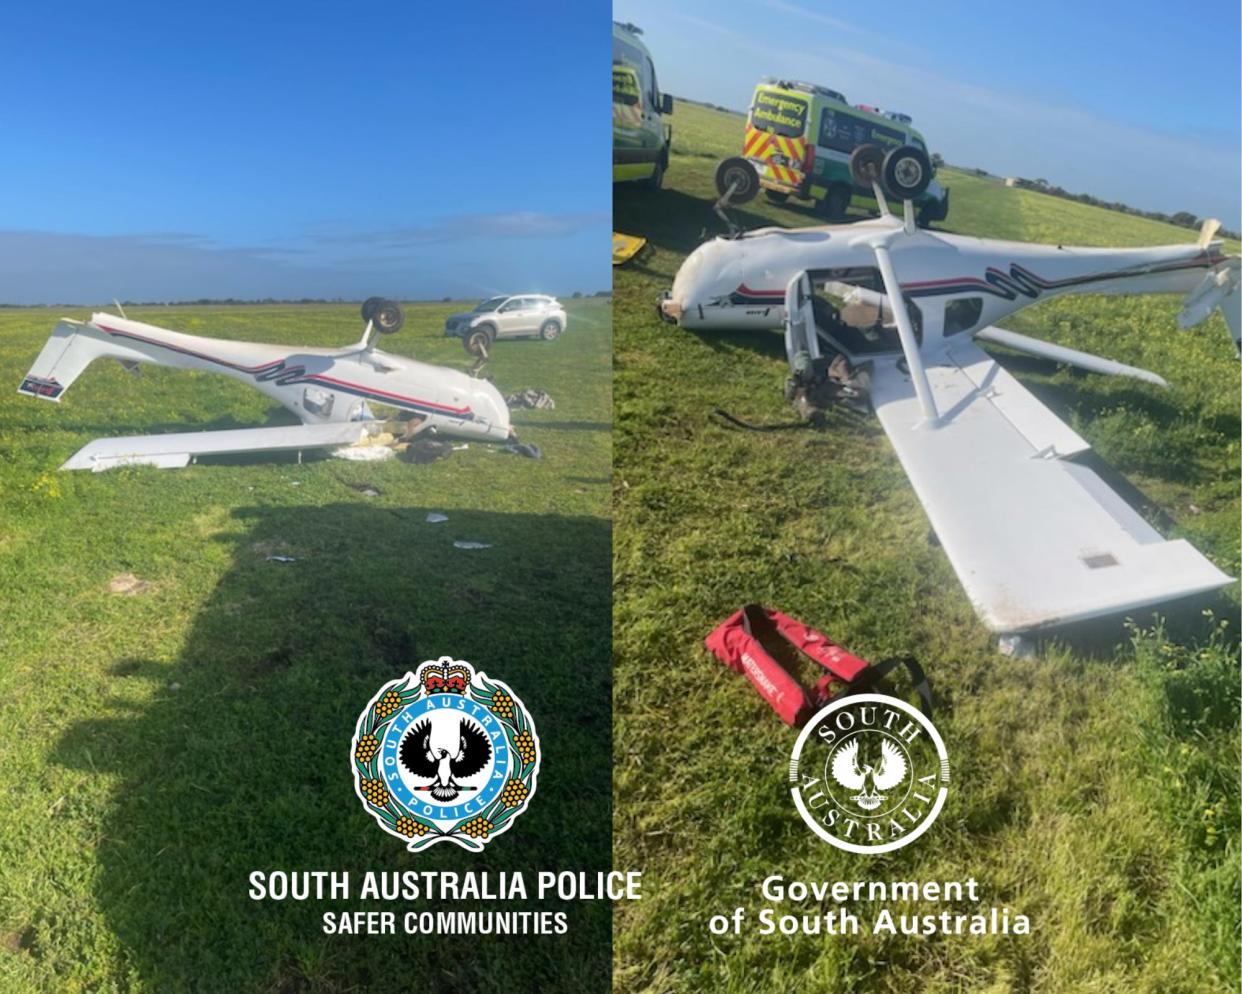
(869, 773)
(445, 755)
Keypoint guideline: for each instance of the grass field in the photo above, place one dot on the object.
(157, 747)
(1095, 788)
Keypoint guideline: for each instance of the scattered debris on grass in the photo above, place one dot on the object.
(366, 489)
(364, 453)
(460, 544)
(427, 450)
(528, 449)
(127, 583)
(281, 559)
(435, 517)
(539, 400)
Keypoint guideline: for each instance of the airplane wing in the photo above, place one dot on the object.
(1036, 538)
(175, 450)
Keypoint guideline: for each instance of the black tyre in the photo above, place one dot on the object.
(867, 165)
(388, 317)
(837, 202)
(907, 172)
(776, 196)
(479, 340)
(370, 306)
(656, 180)
(549, 330)
(736, 172)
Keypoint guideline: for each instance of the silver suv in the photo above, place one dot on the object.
(526, 316)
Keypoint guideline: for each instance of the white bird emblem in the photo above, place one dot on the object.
(868, 781)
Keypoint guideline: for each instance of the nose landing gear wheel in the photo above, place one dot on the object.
(478, 342)
(739, 174)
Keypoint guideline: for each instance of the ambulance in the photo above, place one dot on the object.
(640, 138)
(799, 137)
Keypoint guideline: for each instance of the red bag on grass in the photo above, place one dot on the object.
(755, 639)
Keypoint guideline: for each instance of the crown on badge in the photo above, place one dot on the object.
(445, 679)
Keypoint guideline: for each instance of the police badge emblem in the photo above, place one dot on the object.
(445, 755)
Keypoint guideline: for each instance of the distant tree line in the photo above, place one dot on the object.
(234, 301)
(1183, 219)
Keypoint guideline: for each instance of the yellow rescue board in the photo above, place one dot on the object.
(625, 247)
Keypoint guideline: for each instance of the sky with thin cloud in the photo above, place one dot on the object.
(1136, 102)
(176, 152)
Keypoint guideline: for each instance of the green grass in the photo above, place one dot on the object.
(1095, 789)
(156, 748)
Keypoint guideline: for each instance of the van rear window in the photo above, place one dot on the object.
(778, 114)
(843, 132)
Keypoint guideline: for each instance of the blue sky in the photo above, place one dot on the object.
(1136, 101)
(172, 151)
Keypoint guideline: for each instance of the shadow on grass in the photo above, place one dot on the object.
(565, 425)
(672, 220)
(1187, 620)
(241, 760)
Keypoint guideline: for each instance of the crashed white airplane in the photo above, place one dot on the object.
(1037, 538)
(330, 390)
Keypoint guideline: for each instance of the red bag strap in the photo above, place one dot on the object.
(754, 640)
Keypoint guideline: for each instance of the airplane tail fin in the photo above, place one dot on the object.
(1219, 288)
(67, 352)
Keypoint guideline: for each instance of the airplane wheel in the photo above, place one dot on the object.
(737, 172)
(478, 342)
(370, 306)
(656, 180)
(866, 165)
(388, 317)
(907, 172)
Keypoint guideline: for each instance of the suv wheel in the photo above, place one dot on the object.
(549, 330)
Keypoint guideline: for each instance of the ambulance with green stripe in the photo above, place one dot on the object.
(799, 137)
(640, 138)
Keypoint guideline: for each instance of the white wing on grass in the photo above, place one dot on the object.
(176, 450)
(1037, 538)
